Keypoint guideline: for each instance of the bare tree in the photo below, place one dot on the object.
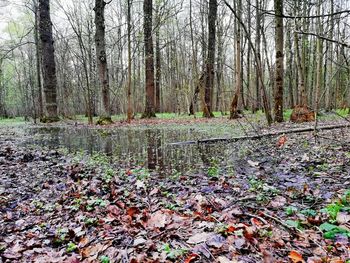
(279, 69)
(209, 65)
(149, 60)
(101, 56)
(48, 62)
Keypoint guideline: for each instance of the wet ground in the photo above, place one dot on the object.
(131, 196)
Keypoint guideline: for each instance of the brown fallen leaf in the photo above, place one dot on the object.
(223, 259)
(343, 218)
(314, 260)
(158, 220)
(296, 257)
(192, 257)
(199, 238)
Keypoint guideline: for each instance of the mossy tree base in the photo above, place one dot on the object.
(104, 121)
(302, 114)
(49, 119)
(148, 115)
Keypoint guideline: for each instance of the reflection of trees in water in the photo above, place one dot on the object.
(154, 150)
(131, 147)
(108, 147)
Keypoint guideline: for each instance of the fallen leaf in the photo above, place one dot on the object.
(239, 243)
(199, 238)
(154, 191)
(223, 259)
(278, 202)
(253, 164)
(314, 260)
(281, 141)
(343, 218)
(295, 256)
(140, 184)
(158, 220)
(131, 211)
(191, 258)
(216, 241)
(139, 241)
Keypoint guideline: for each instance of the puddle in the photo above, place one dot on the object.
(148, 147)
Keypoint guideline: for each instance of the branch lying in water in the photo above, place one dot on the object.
(260, 136)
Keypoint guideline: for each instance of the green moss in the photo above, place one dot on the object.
(104, 121)
(49, 119)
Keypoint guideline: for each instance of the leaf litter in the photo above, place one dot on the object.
(283, 201)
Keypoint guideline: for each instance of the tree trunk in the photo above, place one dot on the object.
(238, 80)
(158, 67)
(149, 60)
(38, 65)
(129, 111)
(279, 70)
(209, 67)
(319, 51)
(257, 105)
(101, 57)
(48, 62)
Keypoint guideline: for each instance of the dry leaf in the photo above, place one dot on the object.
(199, 238)
(296, 257)
(158, 220)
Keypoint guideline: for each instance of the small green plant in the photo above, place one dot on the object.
(213, 170)
(105, 259)
(291, 210)
(332, 210)
(108, 175)
(90, 221)
(170, 206)
(38, 204)
(71, 247)
(294, 223)
(173, 253)
(308, 212)
(60, 236)
(330, 231)
(175, 175)
(142, 174)
(91, 204)
(323, 167)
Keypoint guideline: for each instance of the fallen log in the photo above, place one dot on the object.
(260, 136)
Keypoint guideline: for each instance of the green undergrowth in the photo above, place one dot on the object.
(12, 121)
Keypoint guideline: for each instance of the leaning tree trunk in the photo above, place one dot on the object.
(149, 60)
(48, 62)
(209, 68)
(279, 61)
(100, 42)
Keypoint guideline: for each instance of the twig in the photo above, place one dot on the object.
(257, 217)
(246, 198)
(277, 220)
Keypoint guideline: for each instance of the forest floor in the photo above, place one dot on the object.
(285, 199)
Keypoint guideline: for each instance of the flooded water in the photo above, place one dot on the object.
(148, 147)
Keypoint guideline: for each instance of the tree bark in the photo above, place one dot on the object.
(238, 79)
(279, 69)
(149, 60)
(38, 63)
(48, 62)
(101, 57)
(129, 111)
(209, 67)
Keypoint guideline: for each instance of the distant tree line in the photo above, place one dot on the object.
(99, 58)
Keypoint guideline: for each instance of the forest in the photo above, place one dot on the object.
(175, 131)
